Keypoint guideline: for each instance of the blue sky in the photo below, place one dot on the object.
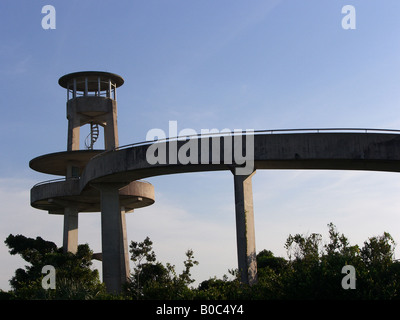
(206, 64)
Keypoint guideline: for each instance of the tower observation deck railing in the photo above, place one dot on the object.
(54, 181)
(91, 86)
(69, 179)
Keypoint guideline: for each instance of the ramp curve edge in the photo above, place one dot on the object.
(318, 150)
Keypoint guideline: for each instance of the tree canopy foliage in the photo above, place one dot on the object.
(313, 270)
(75, 278)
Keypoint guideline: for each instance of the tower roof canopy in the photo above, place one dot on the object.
(90, 75)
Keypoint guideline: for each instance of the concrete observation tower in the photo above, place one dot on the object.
(91, 100)
(108, 180)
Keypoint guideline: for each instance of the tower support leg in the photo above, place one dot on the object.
(70, 237)
(125, 248)
(245, 235)
(113, 231)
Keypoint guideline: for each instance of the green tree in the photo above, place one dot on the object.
(303, 278)
(74, 278)
(315, 271)
(143, 257)
(271, 271)
(152, 280)
(381, 278)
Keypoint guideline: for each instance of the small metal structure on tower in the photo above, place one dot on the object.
(91, 100)
(92, 136)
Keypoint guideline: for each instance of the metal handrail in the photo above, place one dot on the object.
(50, 181)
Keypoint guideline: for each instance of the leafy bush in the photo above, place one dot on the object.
(313, 271)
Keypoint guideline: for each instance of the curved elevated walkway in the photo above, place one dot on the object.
(111, 179)
(376, 151)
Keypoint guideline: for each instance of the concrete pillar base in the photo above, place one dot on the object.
(115, 257)
(70, 237)
(246, 242)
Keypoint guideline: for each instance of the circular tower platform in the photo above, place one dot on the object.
(92, 78)
(57, 163)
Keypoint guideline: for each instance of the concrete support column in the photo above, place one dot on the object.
(70, 237)
(74, 126)
(111, 128)
(114, 256)
(246, 242)
(125, 248)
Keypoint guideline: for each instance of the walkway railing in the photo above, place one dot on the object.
(256, 132)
